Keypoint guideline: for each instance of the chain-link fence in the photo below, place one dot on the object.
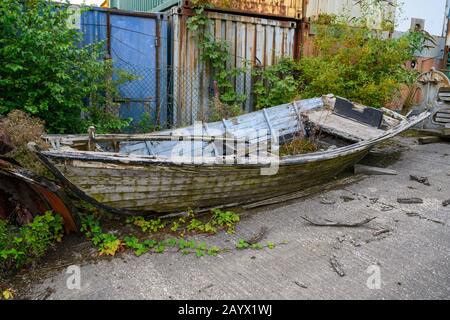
(173, 97)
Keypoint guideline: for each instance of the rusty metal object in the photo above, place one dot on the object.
(281, 8)
(25, 194)
(432, 92)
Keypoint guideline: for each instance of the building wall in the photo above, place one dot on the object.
(314, 8)
(286, 8)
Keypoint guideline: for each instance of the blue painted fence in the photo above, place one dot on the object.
(136, 44)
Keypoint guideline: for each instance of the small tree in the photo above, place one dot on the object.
(46, 72)
(351, 60)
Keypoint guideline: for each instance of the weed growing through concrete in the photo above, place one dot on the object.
(110, 244)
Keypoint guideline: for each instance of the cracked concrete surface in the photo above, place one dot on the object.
(409, 243)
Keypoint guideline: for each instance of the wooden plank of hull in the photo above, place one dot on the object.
(167, 189)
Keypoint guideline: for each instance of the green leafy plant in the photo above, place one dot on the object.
(139, 247)
(196, 225)
(107, 243)
(7, 294)
(213, 251)
(242, 244)
(49, 74)
(271, 245)
(276, 84)
(153, 225)
(225, 219)
(22, 246)
(351, 59)
(215, 53)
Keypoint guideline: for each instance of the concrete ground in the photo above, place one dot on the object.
(407, 246)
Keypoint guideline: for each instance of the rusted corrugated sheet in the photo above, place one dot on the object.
(285, 8)
(253, 40)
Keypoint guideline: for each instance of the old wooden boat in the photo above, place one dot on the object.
(220, 164)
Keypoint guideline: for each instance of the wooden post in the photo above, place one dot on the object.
(91, 142)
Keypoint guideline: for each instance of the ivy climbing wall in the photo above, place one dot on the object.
(252, 42)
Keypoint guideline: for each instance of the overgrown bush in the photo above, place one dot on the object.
(215, 53)
(46, 72)
(350, 60)
(22, 246)
(21, 128)
(276, 84)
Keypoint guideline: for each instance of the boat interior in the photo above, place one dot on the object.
(318, 124)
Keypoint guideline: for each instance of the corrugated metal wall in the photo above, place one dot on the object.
(136, 5)
(317, 7)
(348, 7)
(137, 44)
(260, 41)
(285, 8)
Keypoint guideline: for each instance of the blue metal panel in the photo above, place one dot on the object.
(93, 26)
(138, 45)
(133, 49)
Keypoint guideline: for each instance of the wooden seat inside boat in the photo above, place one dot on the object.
(342, 127)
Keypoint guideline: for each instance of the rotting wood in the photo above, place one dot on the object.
(422, 217)
(410, 200)
(367, 170)
(429, 140)
(306, 193)
(327, 223)
(380, 232)
(343, 127)
(336, 265)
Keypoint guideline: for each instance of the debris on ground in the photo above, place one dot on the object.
(336, 265)
(422, 180)
(259, 236)
(429, 140)
(328, 223)
(301, 285)
(418, 215)
(347, 198)
(380, 232)
(387, 207)
(410, 201)
(373, 171)
(446, 203)
(327, 201)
